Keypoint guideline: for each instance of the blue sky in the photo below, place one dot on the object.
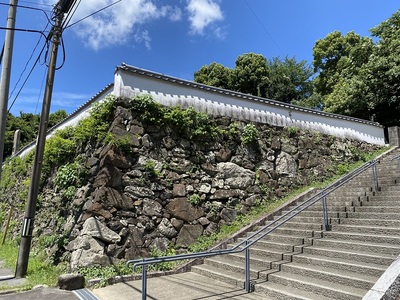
(174, 37)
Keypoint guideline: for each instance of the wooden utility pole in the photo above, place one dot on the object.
(6, 73)
(61, 8)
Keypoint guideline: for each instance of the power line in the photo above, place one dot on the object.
(29, 59)
(262, 25)
(27, 7)
(27, 77)
(97, 11)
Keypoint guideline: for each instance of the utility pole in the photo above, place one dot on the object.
(6, 73)
(61, 8)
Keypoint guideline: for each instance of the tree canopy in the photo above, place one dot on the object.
(28, 124)
(360, 77)
(285, 80)
(351, 75)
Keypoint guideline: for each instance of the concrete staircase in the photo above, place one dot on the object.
(299, 260)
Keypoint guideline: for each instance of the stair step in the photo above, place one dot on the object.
(362, 256)
(378, 209)
(317, 286)
(337, 276)
(259, 261)
(366, 215)
(221, 275)
(282, 292)
(367, 229)
(306, 226)
(371, 222)
(370, 269)
(223, 263)
(268, 244)
(358, 246)
(362, 237)
(274, 236)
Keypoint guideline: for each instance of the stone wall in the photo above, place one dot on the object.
(164, 190)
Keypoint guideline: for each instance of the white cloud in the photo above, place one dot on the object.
(203, 13)
(117, 24)
(143, 36)
(126, 21)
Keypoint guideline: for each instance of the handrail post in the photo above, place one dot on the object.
(247, 268)
(325, 212)
(375, 177)
(144, 282)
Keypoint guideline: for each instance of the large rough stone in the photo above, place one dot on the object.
(108, 176)
(113, 198)
(71, 281)
(113, 156)
(151, 207)
(86, 242)
(228, 214)
(167, 229)
(228, 194)
(139, 191)
(286, 165)
(179, 190)
(93, 208)
(182, 209)
(98, 230)
(84, 258)
(189, 234)
(235, 176)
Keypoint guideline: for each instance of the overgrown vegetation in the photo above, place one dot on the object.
(249, 134)
(40, 269)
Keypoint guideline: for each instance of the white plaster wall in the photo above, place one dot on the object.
(171, 91)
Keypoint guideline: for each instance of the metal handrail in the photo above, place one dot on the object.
(256, 236)
(398, 160)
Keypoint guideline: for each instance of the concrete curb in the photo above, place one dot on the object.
(388, 285)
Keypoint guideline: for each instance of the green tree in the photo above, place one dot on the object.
(57, 117)
(214, 75)
(339, 56)
(251, 74)
(381, 74)
(360, 78)
(289, 80)
(28, 124)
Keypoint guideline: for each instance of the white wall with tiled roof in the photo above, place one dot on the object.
(130, 81)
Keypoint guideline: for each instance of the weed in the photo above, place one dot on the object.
(151, 170)
(292, 130)
(194, 199)
(250, 134)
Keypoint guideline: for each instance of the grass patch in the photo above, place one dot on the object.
(40, 271)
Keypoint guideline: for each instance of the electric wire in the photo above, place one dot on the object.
(65, 25)
(27, 7)
(26, 79)
(71, 14)
(262, 25)
(92, 14)
(26, 64)
(41, 90)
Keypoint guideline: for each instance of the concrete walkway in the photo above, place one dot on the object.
(186, 286)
